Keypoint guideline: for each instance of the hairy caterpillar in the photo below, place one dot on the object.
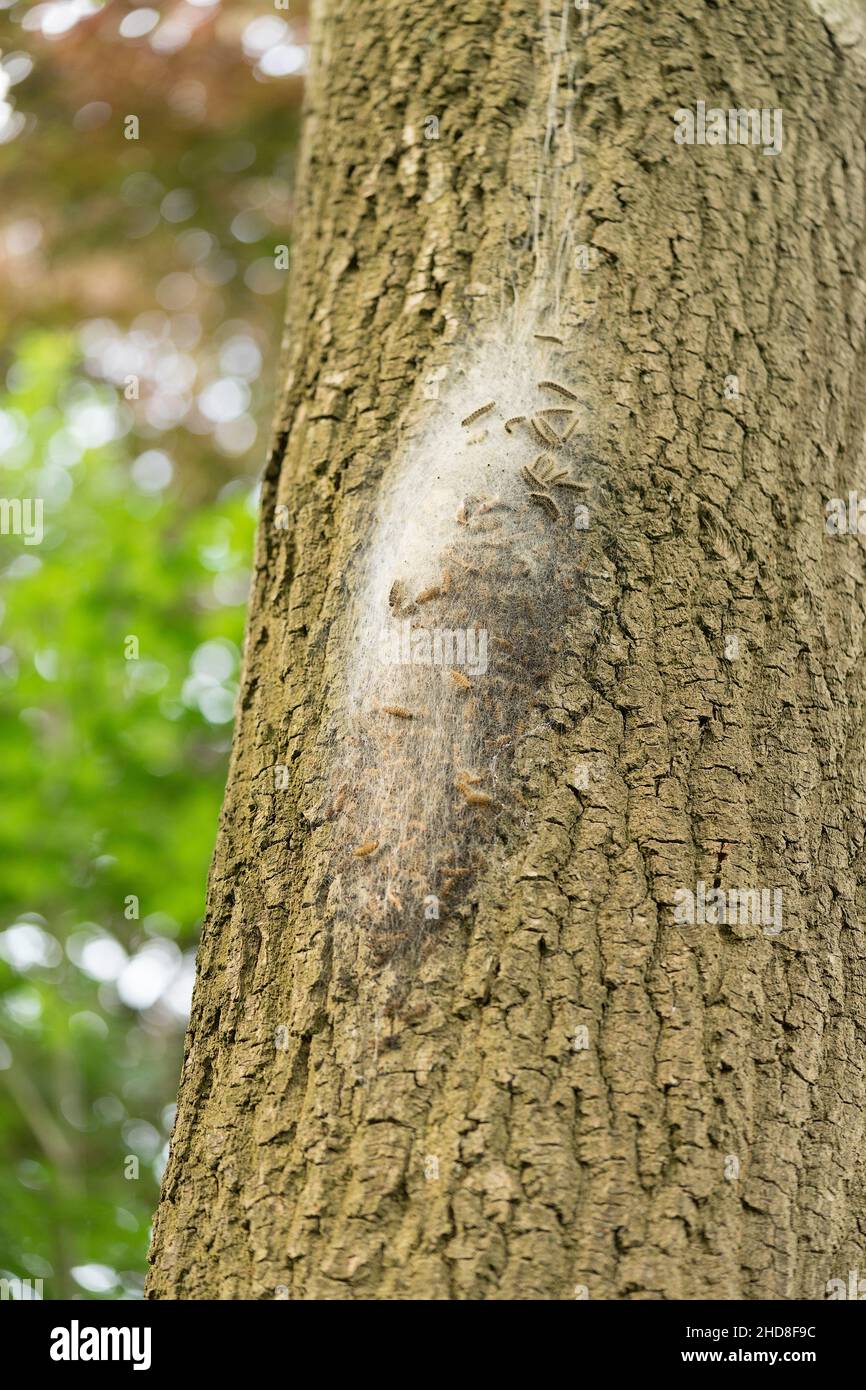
(555, 386)
(542, 500)
(571, 429)
(543, 431)
(476, 414)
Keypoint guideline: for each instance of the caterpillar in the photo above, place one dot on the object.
(541, 499)
(544, 432)
(570, 431)
(434, 591)
(475, 798)
(555, 386)
(476, 414)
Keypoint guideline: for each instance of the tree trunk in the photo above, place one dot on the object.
(454, 1035)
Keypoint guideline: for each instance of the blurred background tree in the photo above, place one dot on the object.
(143, 271)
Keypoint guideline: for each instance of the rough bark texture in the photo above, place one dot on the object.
(449, 1136)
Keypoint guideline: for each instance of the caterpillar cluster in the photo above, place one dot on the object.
(473, 571)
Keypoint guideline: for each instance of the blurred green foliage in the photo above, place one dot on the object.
(141, 311)
(117, 680)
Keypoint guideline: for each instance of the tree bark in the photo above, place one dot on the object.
(557, 1088)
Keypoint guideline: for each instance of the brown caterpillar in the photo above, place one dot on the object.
(474, 798)
(515, 420)
(547, 338)
(435, 591)
(541, 499)
(570, 431)
(476, 414)
(398, 710)
(562, 390)
(544, 431)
